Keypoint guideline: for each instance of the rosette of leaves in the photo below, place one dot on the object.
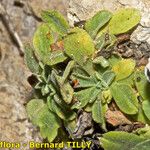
(93, 90)
(69, 74)
(54, 96)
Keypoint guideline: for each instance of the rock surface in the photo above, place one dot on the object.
(84, 9)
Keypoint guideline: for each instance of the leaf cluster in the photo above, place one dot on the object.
(70, 75)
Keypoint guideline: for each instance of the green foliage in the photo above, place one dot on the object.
(142, 145)
(79, 46)
(142, 85)
(31, 60)
(56, 57)
(124, 20)
(124, 68)
(102, 61)
(146, 106)
(42, 117)
(56, 21)
(70, 75)
(94, 24)
(121, 140)
(125, 98)
(42, 40)
(105, 41)
(97, 112)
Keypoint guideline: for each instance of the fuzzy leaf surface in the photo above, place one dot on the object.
(31, 60)
(124, 20)
(79, 46)
(120, 140)
(124, 68)
(41, 41)
(63, 112)
(97, 113)
(56, 21)
(125, 98)
(145, 145)
(56, 57)
(42, 117)
(146, 108)
(142, 85)
(86, 96)
(94, 24)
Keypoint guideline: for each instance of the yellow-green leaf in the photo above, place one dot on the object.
(80, 47)
(146, 108)
(125, 98)
(124, 20)
(42, 40)
(124, 68)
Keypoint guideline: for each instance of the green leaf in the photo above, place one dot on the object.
(142, 85)
(45, 90)
(129, 80)
(108, 76)
(31, 60)
(41, 116)
(140, 116)
(66, 90)
(79, 46)
(85, 96)
(125, 98)
(71, 126)
(145, 145)
(67, 71)
(106, 96)
(114, 59)
(146, 108)
(41, 41)
(88, 107)
(100, 42)
(106, 41)
(94, 24)
(97, 113)
(84, 81)
(56, 21)
(116, 140)
(124, 68)
(61, 110)
(56, 57)
(144, 132)
(102, 61)
(124, 20)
